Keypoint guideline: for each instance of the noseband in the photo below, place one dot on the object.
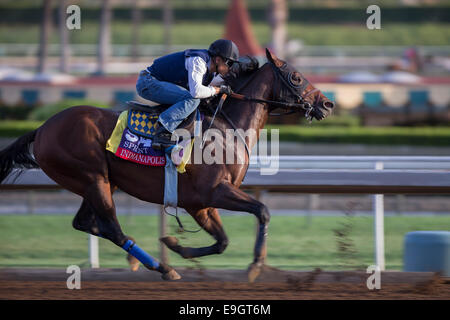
(295, 85)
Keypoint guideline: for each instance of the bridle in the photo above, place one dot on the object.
(288, 84)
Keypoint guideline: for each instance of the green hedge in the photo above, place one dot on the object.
(344, 120)
(16, 128)
(45, 112)
(19, 112)
(424, 136)
(296, 14)
(314, 133)
(203, 33)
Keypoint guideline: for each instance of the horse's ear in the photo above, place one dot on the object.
(273, 58)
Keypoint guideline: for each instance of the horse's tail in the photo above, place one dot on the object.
(17, 155)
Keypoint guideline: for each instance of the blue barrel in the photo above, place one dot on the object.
(427, 251)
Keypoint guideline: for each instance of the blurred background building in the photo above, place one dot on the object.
(394, 76)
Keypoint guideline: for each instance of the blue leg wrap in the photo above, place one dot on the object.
(146, 259)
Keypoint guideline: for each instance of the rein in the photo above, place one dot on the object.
(296, 106)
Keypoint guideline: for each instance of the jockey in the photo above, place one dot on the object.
(181, 79)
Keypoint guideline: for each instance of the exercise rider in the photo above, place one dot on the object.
(181, 79)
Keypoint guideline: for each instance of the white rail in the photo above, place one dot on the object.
(353, 162)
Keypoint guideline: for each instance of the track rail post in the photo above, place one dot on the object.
(93, 252)
(378, 208)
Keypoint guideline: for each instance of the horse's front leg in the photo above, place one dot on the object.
(228, 196)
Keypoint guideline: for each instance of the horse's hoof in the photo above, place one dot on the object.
(134, 266)
(133, 262)
(253, 271)
(171, 275)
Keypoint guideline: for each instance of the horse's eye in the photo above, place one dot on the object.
(295, 79)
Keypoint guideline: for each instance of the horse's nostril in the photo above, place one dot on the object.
(328, 104)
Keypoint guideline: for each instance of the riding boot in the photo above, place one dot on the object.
(162, 138)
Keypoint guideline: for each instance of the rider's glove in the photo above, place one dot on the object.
(225, 89)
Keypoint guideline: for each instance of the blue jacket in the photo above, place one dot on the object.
(171, 68)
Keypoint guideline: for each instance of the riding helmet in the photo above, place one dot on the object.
(225, 49)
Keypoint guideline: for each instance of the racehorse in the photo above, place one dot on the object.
(70, 148)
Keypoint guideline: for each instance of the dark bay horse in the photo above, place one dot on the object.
(70, 149)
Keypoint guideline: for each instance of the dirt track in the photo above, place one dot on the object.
(273, 284)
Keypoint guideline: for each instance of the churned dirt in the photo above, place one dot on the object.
(273, 284)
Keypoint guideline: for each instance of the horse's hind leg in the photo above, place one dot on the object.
(209, 220)
(85, 221)
(100, 198)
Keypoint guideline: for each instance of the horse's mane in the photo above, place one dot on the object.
(236, 80)
(239, 80)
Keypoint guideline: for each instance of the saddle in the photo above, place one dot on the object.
(142, 119)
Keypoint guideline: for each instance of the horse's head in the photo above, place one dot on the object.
(292, 87)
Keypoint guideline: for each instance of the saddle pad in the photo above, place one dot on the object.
(142, 123)
(127, 145)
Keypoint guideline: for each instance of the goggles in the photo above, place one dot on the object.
(229, 62)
